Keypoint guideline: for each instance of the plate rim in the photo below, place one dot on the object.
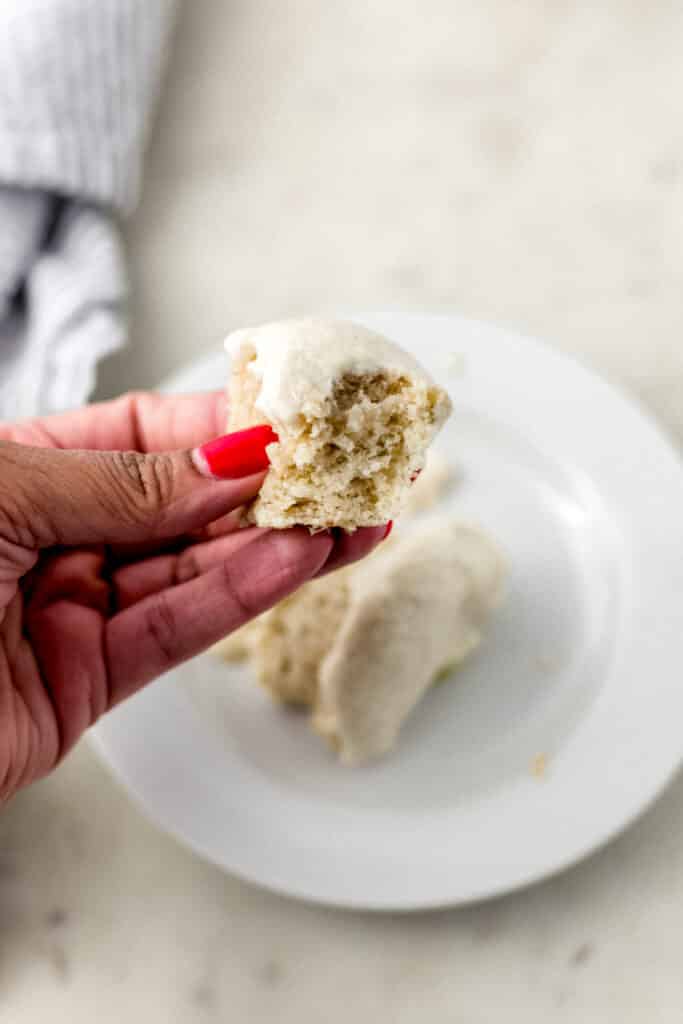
(645, 420)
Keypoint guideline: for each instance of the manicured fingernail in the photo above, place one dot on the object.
(415, 476)
(389, 528)
(235, 455)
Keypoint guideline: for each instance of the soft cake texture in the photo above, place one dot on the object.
(291, 640)
(354, 415)
(362, 646)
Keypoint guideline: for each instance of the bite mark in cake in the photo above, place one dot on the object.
(354, 415)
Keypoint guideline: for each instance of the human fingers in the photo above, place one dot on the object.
(142, 421)
(168, 627)
(137, 580)
(81, 497)
(351, 547)
(125, 554)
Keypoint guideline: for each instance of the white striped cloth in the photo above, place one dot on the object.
(78, 81)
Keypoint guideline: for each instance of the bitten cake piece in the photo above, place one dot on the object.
(354, 415)
(287, 644)
(414, 614)
(361, 647)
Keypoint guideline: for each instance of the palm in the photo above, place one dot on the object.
(30, 741)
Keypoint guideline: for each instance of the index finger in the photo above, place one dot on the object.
(140, 421)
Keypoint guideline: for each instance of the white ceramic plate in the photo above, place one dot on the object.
(554, 736)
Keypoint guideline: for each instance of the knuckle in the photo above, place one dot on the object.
(287, 568)
(134, 396)
(245, 602)
(25, 497)
(129, 404)
(186, 567)
(162, 627)
(146, 481)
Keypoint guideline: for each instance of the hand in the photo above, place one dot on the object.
(120, 558)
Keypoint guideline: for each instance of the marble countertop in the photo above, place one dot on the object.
(514, 162)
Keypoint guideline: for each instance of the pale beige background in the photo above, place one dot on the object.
(517, 161)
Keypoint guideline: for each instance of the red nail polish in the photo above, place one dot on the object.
(236, 455)
(415, 476)
(389, 528)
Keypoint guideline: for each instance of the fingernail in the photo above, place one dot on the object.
(389, 528)
(415, 476)
(235, 455)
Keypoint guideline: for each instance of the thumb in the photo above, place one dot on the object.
(51, 496)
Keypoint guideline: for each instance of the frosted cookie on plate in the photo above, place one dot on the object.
(354, 415)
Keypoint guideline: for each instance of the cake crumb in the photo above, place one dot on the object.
(539, 766)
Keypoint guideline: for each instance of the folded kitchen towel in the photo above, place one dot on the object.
(78, 81)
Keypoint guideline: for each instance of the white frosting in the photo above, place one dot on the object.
(299, 361)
